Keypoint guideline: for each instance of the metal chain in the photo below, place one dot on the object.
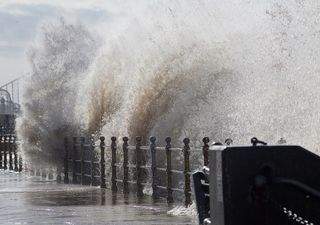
(291, 215)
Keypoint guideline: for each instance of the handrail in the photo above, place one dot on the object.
(10, 82)
(297, 184)
(262, 181)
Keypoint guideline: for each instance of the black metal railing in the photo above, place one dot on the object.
(132, 166)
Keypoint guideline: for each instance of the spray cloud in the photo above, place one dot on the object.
(175, 68)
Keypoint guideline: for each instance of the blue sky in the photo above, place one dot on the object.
(20, 20)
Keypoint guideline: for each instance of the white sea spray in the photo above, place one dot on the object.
(220, 69)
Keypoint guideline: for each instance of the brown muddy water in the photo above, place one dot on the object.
(30, 200)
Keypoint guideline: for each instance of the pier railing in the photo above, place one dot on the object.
(9, 157)
(164, 169)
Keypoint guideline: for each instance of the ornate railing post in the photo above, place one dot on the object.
(187, 185)
(10, 145)
(154, 167)
(31, 170)
(21, 165)
(50, 173)
(15, 154)
(205, 151)
(113, 164)
(138, 167)
(44, 172)
(74, 156)
(66, 161)
(102, 163)
(38, 170)
(92, 165)
(5, 154)
(125, 165)
(1, 152)
(82, 163)
(228, 141)
(58, 175)
(169, 172)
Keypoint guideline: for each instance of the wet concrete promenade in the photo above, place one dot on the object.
(30, 200)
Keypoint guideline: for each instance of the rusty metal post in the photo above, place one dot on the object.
(74, 156)
(113, 164)
(1, 153)
(5, 155)
(187, 183)
(82, 164)
(125, 165)
(205, 151)
(138, 167)
(102, 163)
(169, 172)
(154, 167)
(66, 161)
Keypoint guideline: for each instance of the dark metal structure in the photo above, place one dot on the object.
(261, 185)
(9, 106)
